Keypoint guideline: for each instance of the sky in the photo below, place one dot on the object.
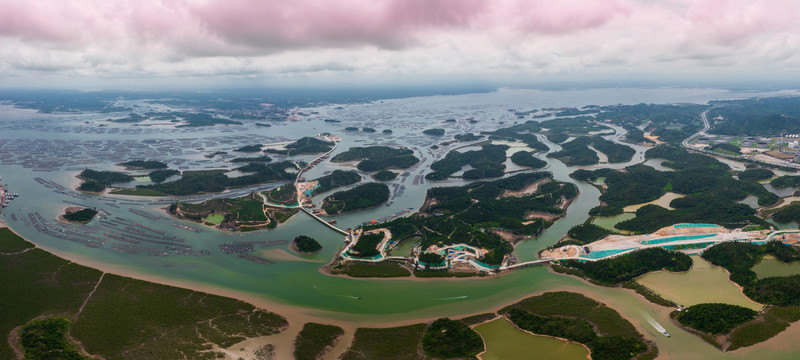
(119, 43)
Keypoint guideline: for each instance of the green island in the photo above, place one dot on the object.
(488, 162)
(363, 196)
(112, 316)
(212, 181)
(247, 213)
(306, 245)
(377, 158)
(467, 137)
(303, 146)
(433, 132)
(79, 215)
(384, 175)
(189, 119)
(97, 181)
(756, 174)
(526, 158)
(263, 158)
(143, 165)
(250, 148)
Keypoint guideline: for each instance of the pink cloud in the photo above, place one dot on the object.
(322, 23)
(559, 17)
(730, 21)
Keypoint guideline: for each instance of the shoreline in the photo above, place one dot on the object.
(297, 315)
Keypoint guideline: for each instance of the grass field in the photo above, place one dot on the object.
(704, 283)
(215, 219)
(123, 318)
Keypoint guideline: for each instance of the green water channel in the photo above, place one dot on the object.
(505, 342)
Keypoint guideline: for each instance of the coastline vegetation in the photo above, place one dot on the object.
(123, 317)
(619, 269)
(314, 340)
(397, 343)
(714, 319)
(377, 158)
(448, 339)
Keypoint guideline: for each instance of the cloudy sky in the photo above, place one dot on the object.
(113, 42)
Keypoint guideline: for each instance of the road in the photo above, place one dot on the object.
(700, 133)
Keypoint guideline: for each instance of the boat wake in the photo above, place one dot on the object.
(655, 324)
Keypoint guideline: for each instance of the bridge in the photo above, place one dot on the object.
(526, 264)
(324, 222)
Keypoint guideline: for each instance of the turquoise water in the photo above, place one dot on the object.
(676, 238)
